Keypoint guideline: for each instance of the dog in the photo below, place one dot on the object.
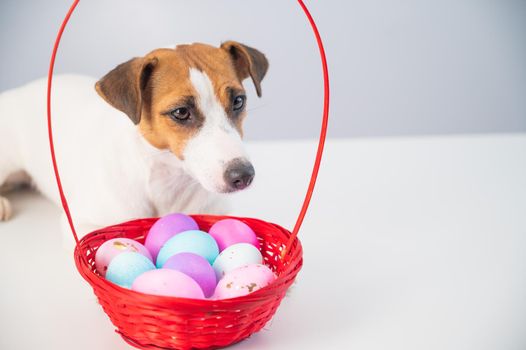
(158, 134)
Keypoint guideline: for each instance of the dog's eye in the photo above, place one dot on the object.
(239, 103)
(180, 114)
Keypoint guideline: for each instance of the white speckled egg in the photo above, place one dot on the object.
(243, 281)
(237, 255)
(116, 246)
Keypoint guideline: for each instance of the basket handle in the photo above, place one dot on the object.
(319, 152)
(323, 132)
(50, 125)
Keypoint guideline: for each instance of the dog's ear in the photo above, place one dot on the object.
(124, 86)
(247, 62)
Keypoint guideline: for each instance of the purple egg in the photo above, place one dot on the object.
(165, 228)
(195, 266)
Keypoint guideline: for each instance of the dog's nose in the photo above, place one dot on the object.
(239, 174)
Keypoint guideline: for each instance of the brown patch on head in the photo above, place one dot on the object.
(150, 88)
(170, 89)
(227, 67)
(217, 65)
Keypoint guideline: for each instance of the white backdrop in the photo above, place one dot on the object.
(398, 68)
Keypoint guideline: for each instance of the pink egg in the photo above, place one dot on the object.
(113, 247)
(243, 281)
(165, 228)
(167, 282)
(231, 231)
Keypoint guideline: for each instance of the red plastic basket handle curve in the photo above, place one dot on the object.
(50, 125)
(319, 152)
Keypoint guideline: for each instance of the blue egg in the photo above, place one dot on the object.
(126, 267)
(194, 241)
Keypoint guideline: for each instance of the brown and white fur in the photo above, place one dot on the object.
(157, 134)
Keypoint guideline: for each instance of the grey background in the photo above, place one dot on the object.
(397, 67)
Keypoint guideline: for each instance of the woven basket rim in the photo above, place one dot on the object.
(94, 279)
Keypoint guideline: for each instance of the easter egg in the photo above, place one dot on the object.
(235, 256)
(196, 267)
(197, 242)
(126, 267)
(167, 282)
(113, 247)
(165, 228)
(243, 280)
(231, 231)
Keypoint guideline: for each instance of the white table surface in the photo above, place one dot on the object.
(411, 243)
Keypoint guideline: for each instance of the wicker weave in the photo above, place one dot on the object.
(153, 322)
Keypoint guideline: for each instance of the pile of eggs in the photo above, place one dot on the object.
(179, 260)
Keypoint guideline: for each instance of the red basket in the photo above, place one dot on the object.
(156, 322)
(179, 323)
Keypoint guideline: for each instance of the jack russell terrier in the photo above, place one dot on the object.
(178, 149)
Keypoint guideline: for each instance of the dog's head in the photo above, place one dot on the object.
(190, 100)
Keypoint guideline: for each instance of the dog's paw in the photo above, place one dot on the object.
(5, 209)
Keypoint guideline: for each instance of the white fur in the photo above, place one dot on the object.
(109, 172)
(217, 142)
